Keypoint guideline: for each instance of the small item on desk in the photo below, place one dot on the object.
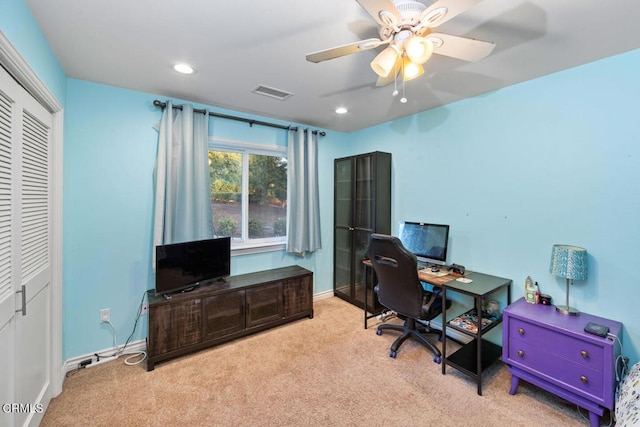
(596, 329)
(545, 299)
(493, 307)
(537, 293)
(529, 291)
(463, 280)
(457, 268)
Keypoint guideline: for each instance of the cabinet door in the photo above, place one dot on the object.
(224, 314)
(343, 193)
(264, 304)
(361, 243)
(174, 326)
(364, 202)
(342, 261)
(297, 295)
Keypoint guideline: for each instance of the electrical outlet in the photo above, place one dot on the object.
(144, 310)
(105, 315)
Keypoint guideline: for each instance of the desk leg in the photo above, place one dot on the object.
(479, 344)
(366, 288)
(444, 331)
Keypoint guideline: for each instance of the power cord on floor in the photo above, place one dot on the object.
(585, 417)
(142, 355)
(386, 315)
(117, 352)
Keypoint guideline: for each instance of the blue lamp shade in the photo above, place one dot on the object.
(569, 262)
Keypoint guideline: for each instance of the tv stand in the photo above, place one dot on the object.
(221, 311)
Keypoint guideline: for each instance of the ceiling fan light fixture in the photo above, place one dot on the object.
(411, 70)
(419, 49)
(384, 62)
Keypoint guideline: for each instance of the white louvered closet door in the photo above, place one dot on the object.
(25, 254)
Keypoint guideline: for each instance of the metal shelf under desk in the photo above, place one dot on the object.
(477, 355)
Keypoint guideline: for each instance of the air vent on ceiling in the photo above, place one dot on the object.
(272, 92)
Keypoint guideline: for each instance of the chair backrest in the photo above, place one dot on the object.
(399, 288)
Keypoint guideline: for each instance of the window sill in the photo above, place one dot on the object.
(258, 248)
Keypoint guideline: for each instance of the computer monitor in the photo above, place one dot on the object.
(428, 242)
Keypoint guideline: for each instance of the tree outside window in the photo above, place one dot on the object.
(251, 207)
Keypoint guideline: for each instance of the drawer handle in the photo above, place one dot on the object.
(520, 353)
(521, 331)
(583, 379)
(584, 354)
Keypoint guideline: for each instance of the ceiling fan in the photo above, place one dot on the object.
(406, 26)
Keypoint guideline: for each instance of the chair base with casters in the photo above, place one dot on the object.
(399, 290)
(411, 329)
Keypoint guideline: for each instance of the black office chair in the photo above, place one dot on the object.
(400, 290)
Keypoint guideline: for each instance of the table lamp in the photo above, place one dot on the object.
(569, 262)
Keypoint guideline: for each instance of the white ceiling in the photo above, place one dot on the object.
(237, 45)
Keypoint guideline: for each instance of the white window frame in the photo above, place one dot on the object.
(246, 245)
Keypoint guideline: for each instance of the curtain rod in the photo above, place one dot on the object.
(251, 122)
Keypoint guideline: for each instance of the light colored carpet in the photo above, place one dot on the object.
(325, 371)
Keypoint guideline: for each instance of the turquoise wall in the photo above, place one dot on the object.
(19, 26)
(109, 157)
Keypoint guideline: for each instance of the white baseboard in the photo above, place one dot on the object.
(73, 363)
(323, 295)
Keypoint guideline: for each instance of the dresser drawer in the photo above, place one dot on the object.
(556, 342)
(577, 377)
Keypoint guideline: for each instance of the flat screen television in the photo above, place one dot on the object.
(428, 242)
(180, 266)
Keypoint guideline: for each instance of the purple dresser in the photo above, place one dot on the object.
(552, 351)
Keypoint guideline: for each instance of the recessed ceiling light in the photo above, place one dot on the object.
(183, 68)
(341, 110)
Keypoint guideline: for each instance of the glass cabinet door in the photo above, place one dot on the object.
(342, 261)
(343, 193)
(364, 189)
(361, 244)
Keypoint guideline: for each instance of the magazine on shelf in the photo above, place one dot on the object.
(469, 321)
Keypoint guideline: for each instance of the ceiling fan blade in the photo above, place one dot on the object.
(471, 50)
(347, 49)
(453, 8)
(375, 6)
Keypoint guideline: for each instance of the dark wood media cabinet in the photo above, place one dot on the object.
(223, 311)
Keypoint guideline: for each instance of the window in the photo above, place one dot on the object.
(249, 193)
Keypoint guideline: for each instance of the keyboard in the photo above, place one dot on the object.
(440, 273)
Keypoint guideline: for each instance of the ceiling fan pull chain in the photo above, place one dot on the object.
(403, 99)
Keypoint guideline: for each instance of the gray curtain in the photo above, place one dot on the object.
(303, 199)
(183, 199)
